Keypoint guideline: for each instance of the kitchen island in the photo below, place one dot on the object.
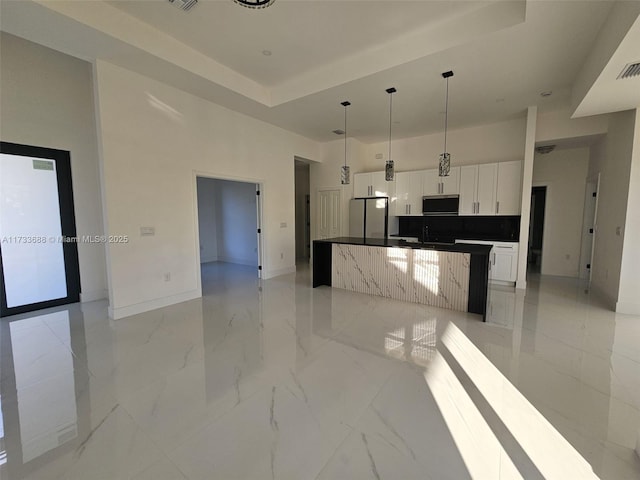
(453, 276)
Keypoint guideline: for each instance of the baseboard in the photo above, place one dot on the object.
(208, 259)
(122, 312)
(521, 284)
(93, 296)
(277, 272)
(252, 262)
(629, 308)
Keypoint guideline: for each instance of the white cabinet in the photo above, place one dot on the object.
(503, 259)
(451, 183)
(487, 176)
(509, 188)
(433, 184)
(409, 193)
(491, 189)
(372, 184)
(478, 189)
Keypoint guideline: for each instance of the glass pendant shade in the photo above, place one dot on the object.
(389, 171)
(444, 165)
(345, 177)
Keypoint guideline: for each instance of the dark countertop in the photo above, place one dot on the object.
(389, 242)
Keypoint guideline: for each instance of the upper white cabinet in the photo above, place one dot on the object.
(478, 189)
(491, 189)
(508, 191)
(433, 184)
(372, 184)
(409, 193)
(486, 189)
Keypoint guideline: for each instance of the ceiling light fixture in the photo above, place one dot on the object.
(344, 171)
(544, 149)
(547, 93)
(444, 164)
(254, 3)
(388, 168)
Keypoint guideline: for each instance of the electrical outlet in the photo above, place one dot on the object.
(567, 256)
(167, 277)
(283, 224)
(281, 256)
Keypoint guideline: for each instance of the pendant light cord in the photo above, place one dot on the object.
(446, 116)
(345, 135)
(390, 108)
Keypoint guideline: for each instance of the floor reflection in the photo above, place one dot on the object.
(43, 405)
(274, 379)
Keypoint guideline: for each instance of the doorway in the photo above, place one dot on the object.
(229, 225)
(302, 212)
(536, 228)
(589, 227)
(38, 251)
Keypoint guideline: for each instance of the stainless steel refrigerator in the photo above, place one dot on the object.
(369, 217)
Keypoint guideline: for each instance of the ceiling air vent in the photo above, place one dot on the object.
(544, 149)
(185, 5)
(338, 132)
(630, 70)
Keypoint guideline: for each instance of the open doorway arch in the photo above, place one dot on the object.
(228, 222)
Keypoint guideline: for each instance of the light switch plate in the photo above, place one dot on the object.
(147, 231)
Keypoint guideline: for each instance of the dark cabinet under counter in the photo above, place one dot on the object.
(446, 275)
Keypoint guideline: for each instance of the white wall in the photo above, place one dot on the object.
(237, 222)
(46, 100)
(564, 172)
(558, 125)
(612, 159)
(628, 301)
(207, 220)
(155, 138)
(496, 142)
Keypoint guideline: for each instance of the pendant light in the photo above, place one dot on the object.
(444, 164)
(344, 170)
(388, 168)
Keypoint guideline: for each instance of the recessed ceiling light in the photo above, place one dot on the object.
(266, 53)
(338, 131)
(546, 93)
(499, 100)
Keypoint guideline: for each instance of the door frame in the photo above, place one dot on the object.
(545, 230)
(259, 217)
(67, 223)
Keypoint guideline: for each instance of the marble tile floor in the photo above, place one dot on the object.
(276, 380)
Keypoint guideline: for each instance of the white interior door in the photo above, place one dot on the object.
(329, 213)
(588, 228)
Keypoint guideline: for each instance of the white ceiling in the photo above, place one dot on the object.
(503, 54)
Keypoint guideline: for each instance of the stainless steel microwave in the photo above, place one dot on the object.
(440, 205)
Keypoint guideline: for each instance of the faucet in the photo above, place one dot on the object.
(425, 234)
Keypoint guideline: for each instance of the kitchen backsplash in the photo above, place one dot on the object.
(449, 228)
